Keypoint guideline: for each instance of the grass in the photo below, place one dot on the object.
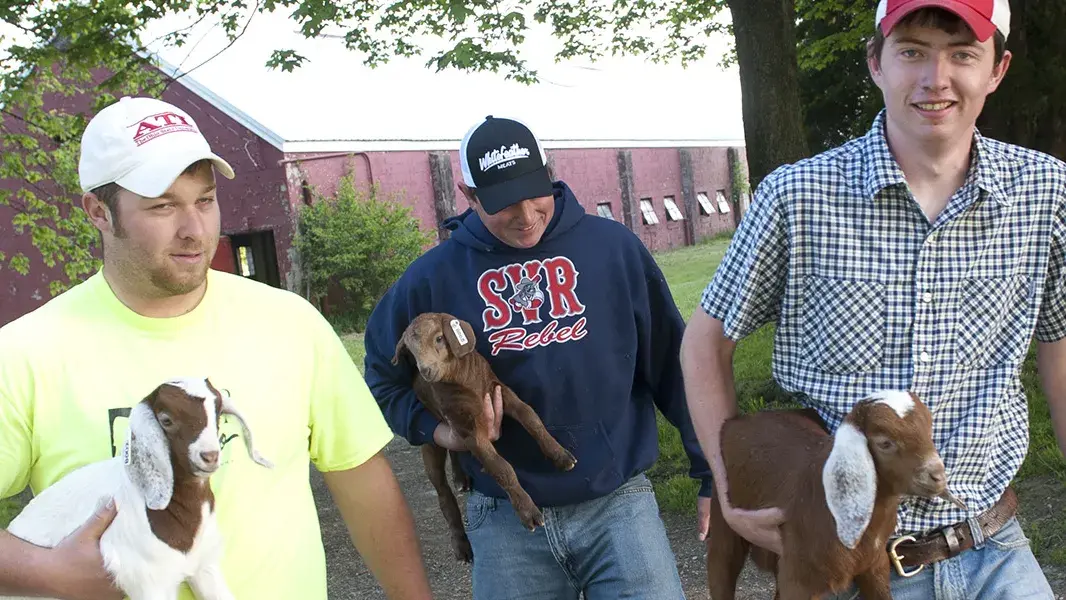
(353, 342)
(9, 507)
(688, 270)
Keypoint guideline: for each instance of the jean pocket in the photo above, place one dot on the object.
(639, 484)
(991, 329)
(1009, 537)
(477, 508)
(843, 324)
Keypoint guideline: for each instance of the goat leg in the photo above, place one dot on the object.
(789, 581)
(726, 552)
(504, 474)
(209, 584)
(874, 583)
(460, 479)
(518, 410)
(433, 459)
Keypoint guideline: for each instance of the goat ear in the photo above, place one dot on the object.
(147, 456)
(850, 482)
(401, 347)
(460, 336)
(228, 408)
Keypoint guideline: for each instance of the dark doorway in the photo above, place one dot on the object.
(255, 257)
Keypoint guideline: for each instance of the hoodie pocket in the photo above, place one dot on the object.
(596, 461)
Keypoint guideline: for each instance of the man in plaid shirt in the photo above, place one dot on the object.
(919, 257)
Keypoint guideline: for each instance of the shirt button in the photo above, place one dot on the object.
(926, 357)
(927, 297)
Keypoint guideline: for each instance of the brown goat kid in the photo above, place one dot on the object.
(452, 382)
(839, 493)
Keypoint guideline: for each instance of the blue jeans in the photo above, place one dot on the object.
(608, 548)
(1001, 567)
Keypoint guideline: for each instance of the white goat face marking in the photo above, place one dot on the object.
(207, 441)
(899, 401)
(193, 386)
(850, 483)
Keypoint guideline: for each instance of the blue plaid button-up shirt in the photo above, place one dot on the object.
(868, 294)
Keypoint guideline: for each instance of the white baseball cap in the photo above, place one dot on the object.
(142, 144)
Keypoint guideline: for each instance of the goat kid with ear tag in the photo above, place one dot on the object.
(451, 381)
(165, 528)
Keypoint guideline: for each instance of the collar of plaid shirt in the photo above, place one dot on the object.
(867, 294)
(882, 170)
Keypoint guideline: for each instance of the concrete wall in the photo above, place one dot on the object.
(594, 174)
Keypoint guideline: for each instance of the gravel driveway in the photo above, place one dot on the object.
(349, 579)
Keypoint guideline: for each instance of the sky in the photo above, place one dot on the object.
(333, 96)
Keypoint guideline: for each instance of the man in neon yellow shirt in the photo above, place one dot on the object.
(70, 371)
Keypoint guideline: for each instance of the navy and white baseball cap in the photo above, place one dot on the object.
(504, 162)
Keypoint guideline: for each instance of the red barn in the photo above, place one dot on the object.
(670, 193)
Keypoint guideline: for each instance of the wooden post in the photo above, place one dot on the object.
(440, 169)
(625, 182)
(688, 195)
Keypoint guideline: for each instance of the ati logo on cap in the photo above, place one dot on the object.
(159, 125)
(502, 158)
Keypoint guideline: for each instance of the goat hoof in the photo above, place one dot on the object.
(566, 461)
(461, 548)
(531, 518)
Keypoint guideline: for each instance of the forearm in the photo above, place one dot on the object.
(707, 364)
(1051, 364)
(381, 527)
(25, 569)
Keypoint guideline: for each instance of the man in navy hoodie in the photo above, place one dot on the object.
(575, 316)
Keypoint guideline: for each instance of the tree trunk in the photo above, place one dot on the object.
(1027, 108)
(765, 34)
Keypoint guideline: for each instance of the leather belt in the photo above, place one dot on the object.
(910, 551)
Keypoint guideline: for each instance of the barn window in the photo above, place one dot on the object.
(648, 211)
(705, 204)
(673, 213)
(723, 206)
(247, 262)
(604, 210)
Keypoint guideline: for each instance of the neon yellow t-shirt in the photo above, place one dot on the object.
(70, 371)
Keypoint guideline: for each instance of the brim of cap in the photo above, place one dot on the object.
(535, 184)
(982, 27)
(152, 179)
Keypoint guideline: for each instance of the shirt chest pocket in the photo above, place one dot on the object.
(843, 324)
(994, 323)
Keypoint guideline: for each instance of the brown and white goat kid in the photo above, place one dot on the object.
(164, 532)
(839, 493)
(452, 382)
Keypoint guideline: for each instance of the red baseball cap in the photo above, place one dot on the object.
(983, 16)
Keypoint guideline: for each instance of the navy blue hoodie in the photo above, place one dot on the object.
(582, 327)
